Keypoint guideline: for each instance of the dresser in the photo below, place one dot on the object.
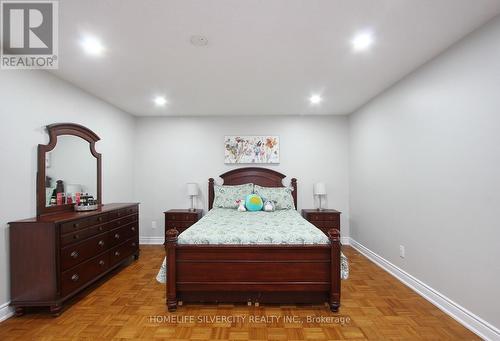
(55, 256)
(324, 220)
(181, 219)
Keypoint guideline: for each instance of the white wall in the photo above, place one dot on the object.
(30, 100)
(171, 152)
(425, 173)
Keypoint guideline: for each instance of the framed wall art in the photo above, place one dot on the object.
(251, 149)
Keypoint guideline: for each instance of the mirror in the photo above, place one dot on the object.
(69, 168)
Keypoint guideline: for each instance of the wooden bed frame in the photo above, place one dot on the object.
(289, 274)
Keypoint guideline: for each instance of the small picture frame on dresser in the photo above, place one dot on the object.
(325, 220)
(181, 219)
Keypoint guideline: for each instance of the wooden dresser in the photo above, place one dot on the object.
(181, 219)
(324, 220)
(55, 256)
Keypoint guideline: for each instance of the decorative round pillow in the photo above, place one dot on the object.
(253, 202)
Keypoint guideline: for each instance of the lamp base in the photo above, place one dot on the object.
(320, 208)
(192, 209)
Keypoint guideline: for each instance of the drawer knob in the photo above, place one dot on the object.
(117, 253)
(99, 219)
(117, 236)
(101, 262)
(74, 254)
(76, 236)
(75, 278)
(101, 243)
(100, 228)
(133, 244)
(133, 228)
(76, 225)
(119, 222)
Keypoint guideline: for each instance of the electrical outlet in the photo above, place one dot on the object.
(401, 251)
(153, 224)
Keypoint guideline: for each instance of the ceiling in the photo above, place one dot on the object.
(263, 57)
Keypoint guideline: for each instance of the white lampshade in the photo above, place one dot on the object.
(192, 189)
(319, 188)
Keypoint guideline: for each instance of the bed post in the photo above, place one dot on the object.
(334, 303)
(294, 193)
(171, 245)
(210, 193)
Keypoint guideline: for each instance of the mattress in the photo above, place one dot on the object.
(229, 226)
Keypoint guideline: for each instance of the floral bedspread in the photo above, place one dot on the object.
(229, 226)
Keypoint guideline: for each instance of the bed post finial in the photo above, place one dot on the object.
(170, 246)
(210, 193)
(334, 236)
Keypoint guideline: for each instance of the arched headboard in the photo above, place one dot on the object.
(256, 175)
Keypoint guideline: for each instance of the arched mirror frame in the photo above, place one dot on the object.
(55, 130)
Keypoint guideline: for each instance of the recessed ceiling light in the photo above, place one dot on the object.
(362, 41)
(160, 101)
(315, 99)
(92, 46)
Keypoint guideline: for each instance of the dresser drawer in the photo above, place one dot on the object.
(124, 212)
(179, 225)
(77, 253)
(123, 251)
(130, 210)
(322, 216)
(326, 224)
(121, 234)
(181, 217)
(122, 221)
(82, 223)
(73, 279)
(80, 235)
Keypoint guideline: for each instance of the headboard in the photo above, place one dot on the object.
(256, 175)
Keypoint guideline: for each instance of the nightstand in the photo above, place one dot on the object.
(324, 220)
(181, 219)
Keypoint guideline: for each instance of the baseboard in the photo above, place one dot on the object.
(152, 240)
(345, 240)
(6, 311)
(472, 322)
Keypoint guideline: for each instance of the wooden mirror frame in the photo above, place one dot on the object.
(55, 130)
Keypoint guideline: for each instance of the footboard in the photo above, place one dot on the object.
(253, 273)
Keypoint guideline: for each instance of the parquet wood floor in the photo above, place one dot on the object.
(131, 306)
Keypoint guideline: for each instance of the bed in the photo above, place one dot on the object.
(256, 257)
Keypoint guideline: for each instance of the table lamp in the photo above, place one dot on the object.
(319, 190)
(192, 191)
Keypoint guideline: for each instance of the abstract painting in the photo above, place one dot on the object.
(252, 149)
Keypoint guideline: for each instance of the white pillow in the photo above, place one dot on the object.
(226, 196)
